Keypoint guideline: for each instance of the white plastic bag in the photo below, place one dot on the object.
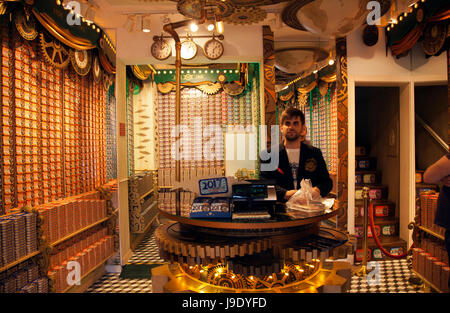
(302, 200)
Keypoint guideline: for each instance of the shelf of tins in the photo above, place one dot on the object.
(38, 243)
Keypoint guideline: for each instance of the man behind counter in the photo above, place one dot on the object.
(297, 160)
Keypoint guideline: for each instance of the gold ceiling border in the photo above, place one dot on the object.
(137, 71)
(208, 88)
(287, 96)
(329, 78)
(107, 66)
(308, 88)
(61, 34)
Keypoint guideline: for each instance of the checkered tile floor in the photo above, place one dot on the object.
(146, 252)
(392, 276)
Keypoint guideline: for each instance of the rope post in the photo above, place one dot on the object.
(365, 195)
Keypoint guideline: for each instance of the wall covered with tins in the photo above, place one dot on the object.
(54, 129)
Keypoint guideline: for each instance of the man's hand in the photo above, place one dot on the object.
(289, 194)
(446, 181)
(315, 193)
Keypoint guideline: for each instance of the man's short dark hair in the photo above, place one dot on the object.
(290, 113)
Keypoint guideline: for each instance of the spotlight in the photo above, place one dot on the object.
(315, 71)
(146, 24)
(219, 24)
(129, 24)
(210, 27)
(194, 27)
(331, 62)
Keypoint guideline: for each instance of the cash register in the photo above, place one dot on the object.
(253, 201)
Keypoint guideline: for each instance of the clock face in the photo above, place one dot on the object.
(161, 50)
(213, 49)
(188, 49)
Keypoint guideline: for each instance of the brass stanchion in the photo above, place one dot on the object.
(362, 271)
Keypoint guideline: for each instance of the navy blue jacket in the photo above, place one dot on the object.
(311, 166)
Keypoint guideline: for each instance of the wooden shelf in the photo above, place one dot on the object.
(147, 193)
(430, 232)
(73, 288)
(12, 264)
(55, 243)
(386, 242)
(426, 281)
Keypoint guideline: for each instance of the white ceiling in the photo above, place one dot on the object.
(112, 14)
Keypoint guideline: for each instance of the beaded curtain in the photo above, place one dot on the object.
(53, 127)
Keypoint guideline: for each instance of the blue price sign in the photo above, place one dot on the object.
(213, 186)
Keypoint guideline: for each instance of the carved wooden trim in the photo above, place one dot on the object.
(342, 108)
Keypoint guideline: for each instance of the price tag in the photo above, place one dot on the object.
(213, 186)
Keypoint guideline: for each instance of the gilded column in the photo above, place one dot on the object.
(342, 109)
(269, 80)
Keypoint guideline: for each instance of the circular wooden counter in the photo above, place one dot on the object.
(279, 220)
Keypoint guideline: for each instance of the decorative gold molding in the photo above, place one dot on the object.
(61, 34)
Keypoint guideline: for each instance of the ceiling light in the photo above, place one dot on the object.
(194, 27)
(146, 24)
(219, 24)
(129, 24)
(210, 27)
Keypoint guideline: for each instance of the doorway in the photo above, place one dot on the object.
(377, 166)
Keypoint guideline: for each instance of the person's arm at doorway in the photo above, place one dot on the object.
(438, 171)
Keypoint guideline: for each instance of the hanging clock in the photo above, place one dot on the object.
(161, 49)
(213, 49)
(96, 70)
(81, 61)
(188, 49)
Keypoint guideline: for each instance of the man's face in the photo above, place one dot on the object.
(292, 128)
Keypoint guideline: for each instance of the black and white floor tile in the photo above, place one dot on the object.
(111, 283)
(146, 252)
(390, 276)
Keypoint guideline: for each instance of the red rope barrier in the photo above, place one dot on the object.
(375, 237)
